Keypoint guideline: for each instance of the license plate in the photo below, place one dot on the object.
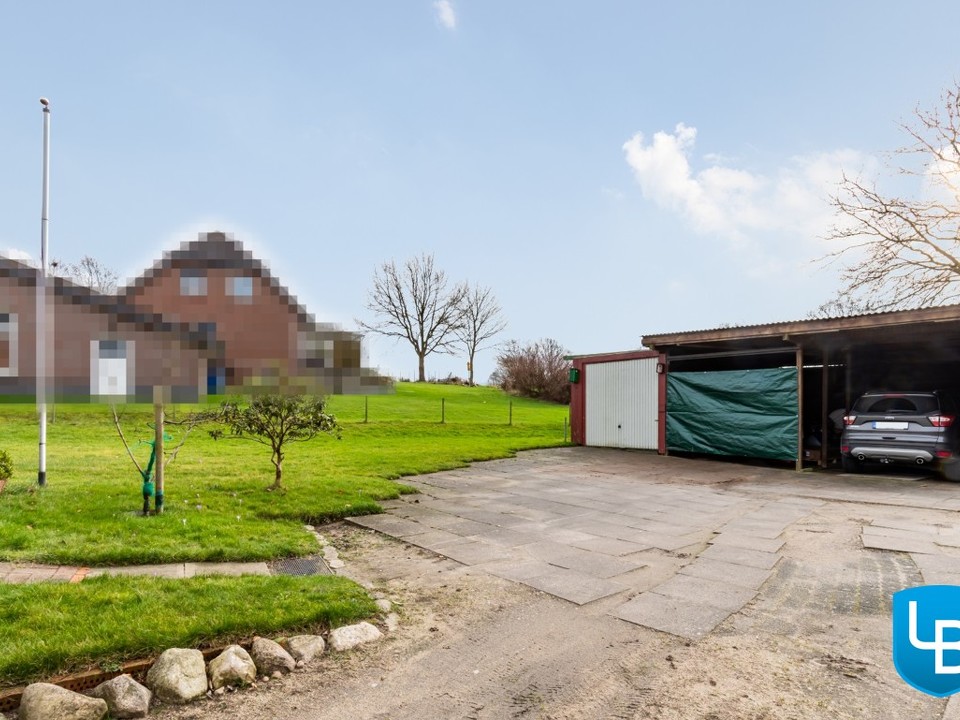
(881, 425)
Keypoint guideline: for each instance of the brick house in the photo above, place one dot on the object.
(99, 347)
(205, 319)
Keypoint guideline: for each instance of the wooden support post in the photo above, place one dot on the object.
(799, 465)
(510, 419)
(824, 410)
(366, 408)
(443, 410)
(158, 418)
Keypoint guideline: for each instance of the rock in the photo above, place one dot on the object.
(233, 666)
(336, 564)
(270, 656)
(304, 648)
(43, 701)
(384, 605)
(178, 676)
(393, 622)
(349, 636)
(125, 697)
(220, 691)
(276, 674)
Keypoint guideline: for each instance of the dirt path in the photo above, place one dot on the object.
(813, 644)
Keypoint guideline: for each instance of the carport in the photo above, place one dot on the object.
(828, 363)
(764, 390)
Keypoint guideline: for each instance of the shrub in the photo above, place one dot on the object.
(535, 370)
(6, 465)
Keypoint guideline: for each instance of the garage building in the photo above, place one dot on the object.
(762, 390)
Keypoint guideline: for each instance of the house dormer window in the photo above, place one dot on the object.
(193, 283)
(240, 286)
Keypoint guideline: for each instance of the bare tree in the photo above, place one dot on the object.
(900, 252)
(88, 272)
(413, 303)
(481, 321)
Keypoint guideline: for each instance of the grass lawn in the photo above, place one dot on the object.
(217, 509)
(51, 628)
(217, 505)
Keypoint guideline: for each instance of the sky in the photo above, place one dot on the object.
(609, 169)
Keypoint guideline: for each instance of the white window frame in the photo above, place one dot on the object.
(235, 291)
(8, 331)
(193, 283)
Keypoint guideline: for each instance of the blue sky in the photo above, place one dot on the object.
(610, 169)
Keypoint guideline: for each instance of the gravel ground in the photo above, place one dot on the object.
(813, 644)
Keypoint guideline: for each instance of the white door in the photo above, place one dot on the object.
(108, 367)
(621, 404)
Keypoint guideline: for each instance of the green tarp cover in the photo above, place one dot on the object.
(748, 413)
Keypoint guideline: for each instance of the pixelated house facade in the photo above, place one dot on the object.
(98, 346)
(207, 318)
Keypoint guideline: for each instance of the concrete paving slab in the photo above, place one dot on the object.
(766, 530)
(716, 593)
(566, 537)
(952, 710)
(747, 542)
(518, 570)
(574, 586)
(247, 568)
(390, 525)
(609, 546)
(681, 617)
(741, 556)
(506, 537)
(596, 564)
(474, 552)
(740, 575)
(898, 544)
(434, 539)
(936, 563)
(668, 542)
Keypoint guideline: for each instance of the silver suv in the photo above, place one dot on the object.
(915, 428)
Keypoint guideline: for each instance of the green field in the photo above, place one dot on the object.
(216, 502)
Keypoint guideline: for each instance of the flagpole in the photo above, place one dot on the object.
(42, 300)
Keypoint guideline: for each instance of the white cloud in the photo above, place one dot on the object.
(751, 210)
(445, 14)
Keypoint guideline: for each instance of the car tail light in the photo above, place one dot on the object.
(941, 420)
(849, 419)
(844, 448)
(943, 453)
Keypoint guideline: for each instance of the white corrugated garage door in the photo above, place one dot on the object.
(621, 404)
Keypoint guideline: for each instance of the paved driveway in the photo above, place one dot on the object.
(674, 544)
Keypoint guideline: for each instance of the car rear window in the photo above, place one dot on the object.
(897, 404)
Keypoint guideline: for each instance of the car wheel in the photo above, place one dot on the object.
(950, 471)
(850, 465)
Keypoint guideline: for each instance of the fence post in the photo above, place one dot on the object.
(564, 429)
(510, 422)
(366, 408)
(443, 410)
